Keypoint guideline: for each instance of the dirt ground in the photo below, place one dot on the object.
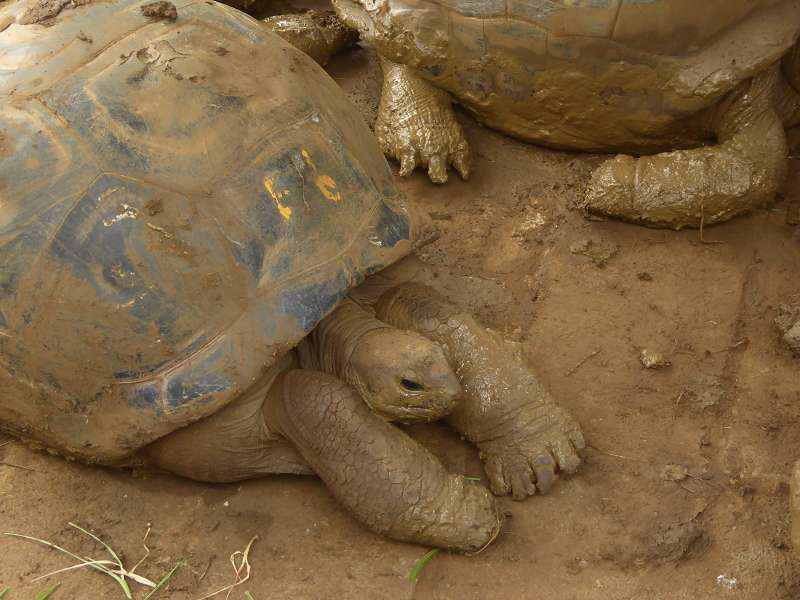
(683, 493)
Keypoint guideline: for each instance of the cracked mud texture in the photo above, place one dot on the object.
(727, 412)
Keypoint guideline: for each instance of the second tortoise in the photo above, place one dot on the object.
(701, 94)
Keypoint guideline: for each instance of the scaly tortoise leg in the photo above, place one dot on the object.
(388, 481)
(689, 188)
(416, 125)
(522, 434)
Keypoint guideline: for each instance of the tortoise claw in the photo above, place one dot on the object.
(417, 126)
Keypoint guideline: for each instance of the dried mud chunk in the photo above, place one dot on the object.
(47, 9)
(653, 360)
(676, 542)
(674, 473)
(788, 323)
(600, 253)
(160, 10)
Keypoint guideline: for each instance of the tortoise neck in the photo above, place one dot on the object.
(331, 344)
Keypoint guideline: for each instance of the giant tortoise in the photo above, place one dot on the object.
(635, 76)
(197, 238)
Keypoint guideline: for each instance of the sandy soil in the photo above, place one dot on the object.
(683, 493)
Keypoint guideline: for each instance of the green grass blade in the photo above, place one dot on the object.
(247, 595)
(120, 579)
(87, 561)
(60, 549)
(101, 542)
(420, 565)
(163, 581)
(4, 592)
(47, 592)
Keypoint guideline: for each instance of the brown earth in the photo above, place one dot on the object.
(683, 494)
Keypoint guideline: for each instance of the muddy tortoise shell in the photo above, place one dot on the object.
(583, 74)
(181, 201)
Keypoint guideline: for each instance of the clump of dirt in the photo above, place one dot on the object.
(788, 323)
(160, 10)
(43, 11)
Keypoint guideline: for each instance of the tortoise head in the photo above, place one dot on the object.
(403, 376)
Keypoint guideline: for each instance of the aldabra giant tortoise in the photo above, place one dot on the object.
(634, 76)
(182, 203)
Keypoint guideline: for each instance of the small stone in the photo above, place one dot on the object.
(597, 251)
(729, 583)
(788, 323)
(674, 473)
(653, 360)
(580, 247)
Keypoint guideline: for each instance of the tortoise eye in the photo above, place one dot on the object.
(411, 385)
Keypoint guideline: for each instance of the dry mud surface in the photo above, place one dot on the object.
(683, 494)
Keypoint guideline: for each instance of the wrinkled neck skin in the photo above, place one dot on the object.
(329, 347)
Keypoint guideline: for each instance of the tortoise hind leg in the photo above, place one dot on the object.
(388, 481)
(689, 188)
(232, 444)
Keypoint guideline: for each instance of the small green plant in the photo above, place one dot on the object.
(420, 565)
(112, 568)
(46, 594)
(4, 592)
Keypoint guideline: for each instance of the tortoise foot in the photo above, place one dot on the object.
(523, 436)
(416, 125)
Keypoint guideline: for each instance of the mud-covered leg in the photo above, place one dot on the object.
(687, 188)
(416, 125)
(388, 481)
(522, 434)
(320, 34)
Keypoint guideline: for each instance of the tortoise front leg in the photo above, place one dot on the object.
(388, 481)
(522, 434)
(416, 125)
(689, 188)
